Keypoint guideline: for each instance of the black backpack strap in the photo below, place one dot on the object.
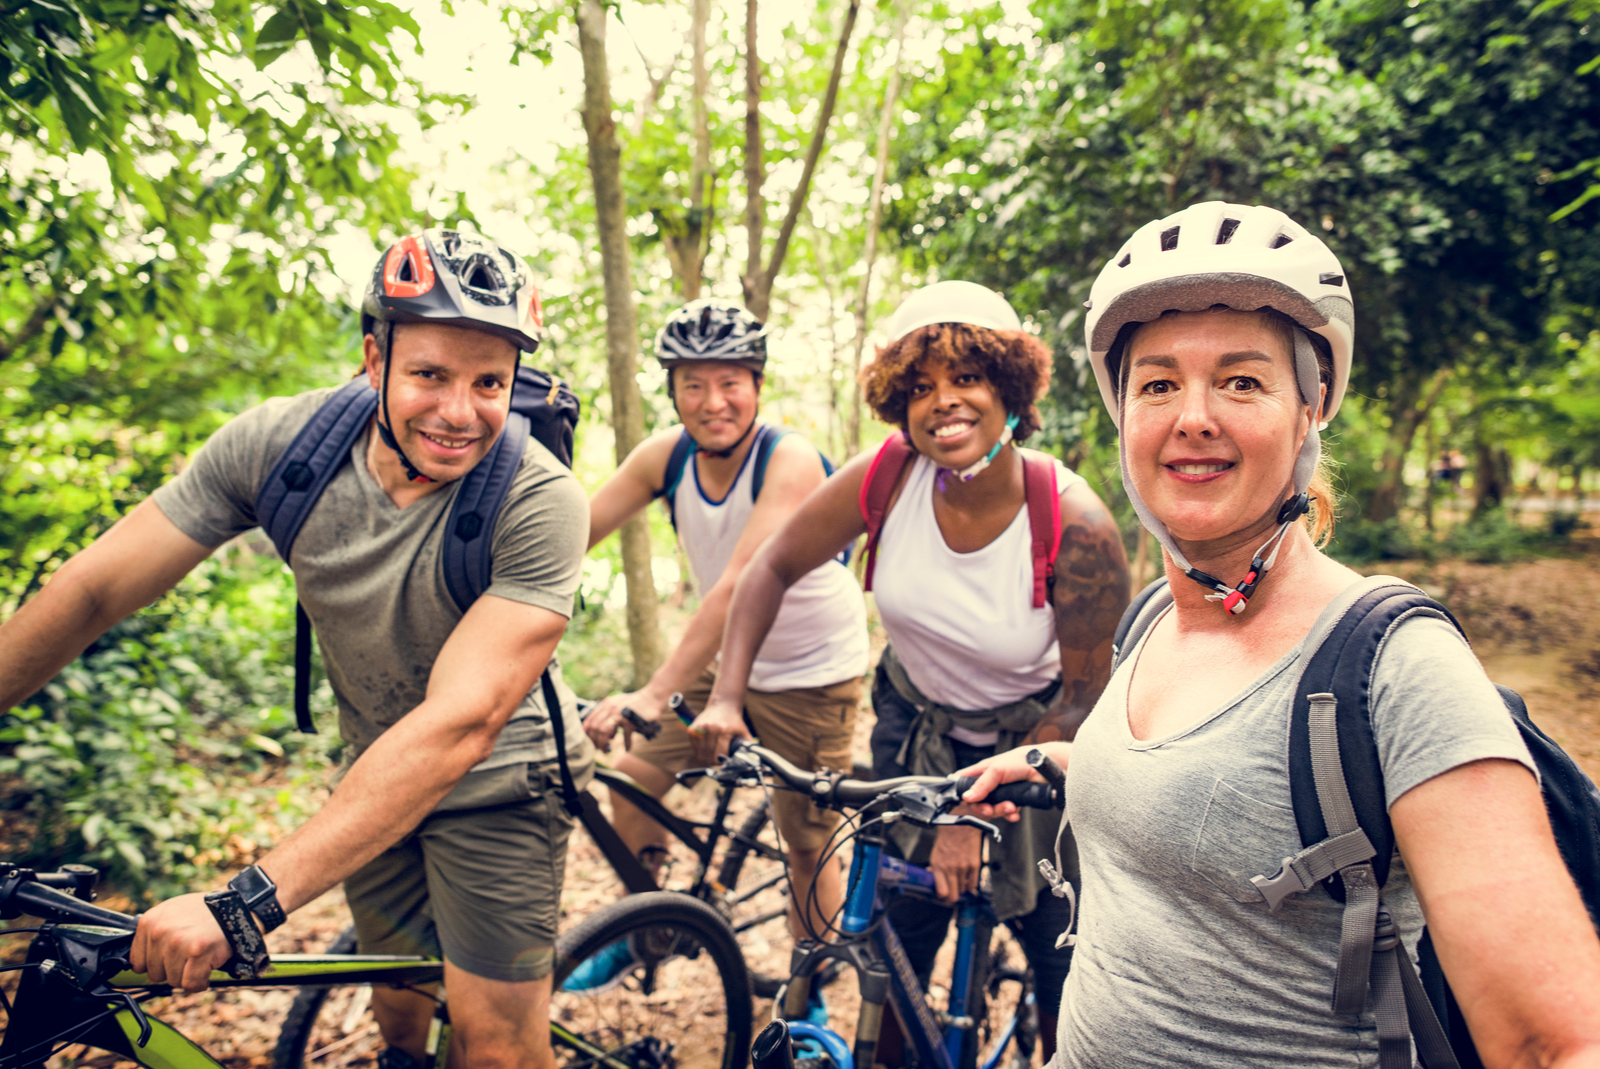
(469, 532)
(552, 705)
(1141, 612)
(291, 491)
(1336, 782)
(677, 462)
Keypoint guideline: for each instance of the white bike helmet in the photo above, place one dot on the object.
(1244, 258)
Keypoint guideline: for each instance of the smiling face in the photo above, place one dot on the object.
(1212, 421)
(449, 393)
(717, 401)
(953, 414)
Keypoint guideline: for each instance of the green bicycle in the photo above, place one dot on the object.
(684, 1004)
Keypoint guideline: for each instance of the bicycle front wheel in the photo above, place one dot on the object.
(330, 1027)
(653, 981)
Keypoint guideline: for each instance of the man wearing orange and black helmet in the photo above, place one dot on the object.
(452, 762)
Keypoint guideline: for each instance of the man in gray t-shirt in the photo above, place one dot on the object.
(453, 775)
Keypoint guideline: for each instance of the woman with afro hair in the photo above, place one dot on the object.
(977, 662)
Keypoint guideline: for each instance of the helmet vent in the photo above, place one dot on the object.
(1169, 239)
(1281, 240)
(1127, 258)
(1329, 279)
(407, 274)
(1225, 234)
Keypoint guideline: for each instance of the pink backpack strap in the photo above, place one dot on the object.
(876, 490)
(1044, 520)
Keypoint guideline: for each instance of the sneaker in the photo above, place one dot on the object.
(602, 972)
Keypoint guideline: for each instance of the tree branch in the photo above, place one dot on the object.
(797, 200)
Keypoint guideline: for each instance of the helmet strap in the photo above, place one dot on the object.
(972, 471)
(724, 454)
(385, 434)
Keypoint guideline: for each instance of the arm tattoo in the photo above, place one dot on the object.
(1091, 590)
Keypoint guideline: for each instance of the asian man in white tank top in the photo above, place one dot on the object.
(730, 482)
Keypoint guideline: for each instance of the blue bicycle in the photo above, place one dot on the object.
(989, 1020)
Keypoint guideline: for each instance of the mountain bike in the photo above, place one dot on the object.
(683, 1004)
(990, 1017)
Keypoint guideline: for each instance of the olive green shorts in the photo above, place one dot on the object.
(810, 726)
(478, 881)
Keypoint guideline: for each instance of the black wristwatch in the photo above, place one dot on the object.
(260, 894)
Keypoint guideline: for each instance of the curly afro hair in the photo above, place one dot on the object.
(1014, 362)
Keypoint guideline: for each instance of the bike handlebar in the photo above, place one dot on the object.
(35, 897)
(835, 791)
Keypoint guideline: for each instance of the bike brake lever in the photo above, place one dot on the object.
(971, 822)
(101, 991)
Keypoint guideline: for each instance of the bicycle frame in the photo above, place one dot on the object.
(700, 836)
(884, 971)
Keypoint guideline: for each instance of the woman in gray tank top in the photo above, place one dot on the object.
(1221, 338)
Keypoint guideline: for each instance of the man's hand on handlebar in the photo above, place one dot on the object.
(957, 860)
(1009, 767)
(603, 720)
(718, 722)
(179, 943)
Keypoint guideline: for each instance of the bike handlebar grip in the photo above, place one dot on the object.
(772, 1048)
(679, 706)
(1045, 765)
(1023, 794)
(648, 728)
(250, 956)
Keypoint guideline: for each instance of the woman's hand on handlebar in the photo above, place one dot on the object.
(603, 720)
(1009, 767)
(718, 722)
(179, 943)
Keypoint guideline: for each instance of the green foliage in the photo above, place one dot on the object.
(150, 756)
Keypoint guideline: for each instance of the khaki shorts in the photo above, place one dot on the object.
(811, 726)
(479, 885)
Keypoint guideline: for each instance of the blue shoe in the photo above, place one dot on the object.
(605, 970)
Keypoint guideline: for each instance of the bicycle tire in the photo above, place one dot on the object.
(329, 1027)
(683, 1002)
(1004, 1006)
(763, 918)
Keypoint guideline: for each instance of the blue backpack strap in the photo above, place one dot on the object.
(677, 462)
(469, 532)
(291, 491)
(767, 439)
(311, 461)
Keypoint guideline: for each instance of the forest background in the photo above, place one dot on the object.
(194, 194)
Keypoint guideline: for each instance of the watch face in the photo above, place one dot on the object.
(253, 885)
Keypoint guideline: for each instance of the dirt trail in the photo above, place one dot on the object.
(1534, 627)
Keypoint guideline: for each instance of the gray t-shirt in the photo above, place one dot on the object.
(371, 577)
(1178, 961)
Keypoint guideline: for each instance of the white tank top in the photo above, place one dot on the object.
(963, 625)
(820, 635)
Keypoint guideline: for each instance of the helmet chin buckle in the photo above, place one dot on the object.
(1236, 599)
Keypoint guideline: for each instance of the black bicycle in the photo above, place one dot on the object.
(332, 1027)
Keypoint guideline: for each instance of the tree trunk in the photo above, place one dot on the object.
(874, 220)
(755, 209)
(1411, 402)
(758, 281)
(686, 244)
(627, 408)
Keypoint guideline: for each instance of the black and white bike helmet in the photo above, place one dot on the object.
(710, 329)
(1245, 258)
(458, 278)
